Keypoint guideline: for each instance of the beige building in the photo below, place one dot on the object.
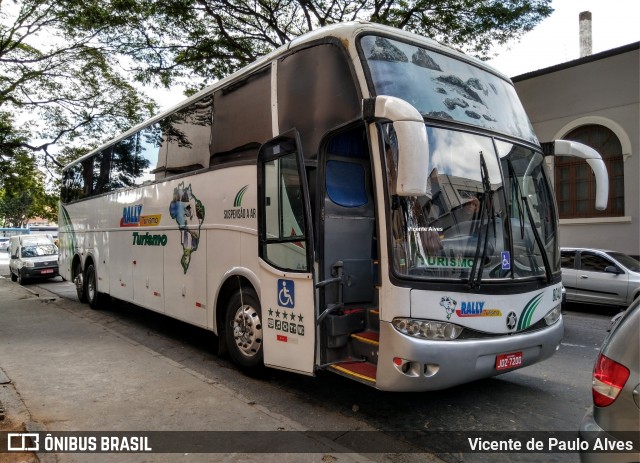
(594, 100)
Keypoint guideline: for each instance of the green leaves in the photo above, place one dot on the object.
(62, 85)
(22, 190)
(195, 41)
(67, 67)
(56, 73)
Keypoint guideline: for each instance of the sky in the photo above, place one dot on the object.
(556, 39)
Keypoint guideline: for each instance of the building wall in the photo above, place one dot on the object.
(601, 89)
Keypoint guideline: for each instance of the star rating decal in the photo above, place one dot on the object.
(283, 324)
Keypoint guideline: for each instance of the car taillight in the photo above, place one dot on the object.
(608, 380)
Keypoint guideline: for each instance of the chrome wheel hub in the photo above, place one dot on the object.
(247, 330)
(79, 282)
(91, 286)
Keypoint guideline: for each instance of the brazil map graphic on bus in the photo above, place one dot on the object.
(188, 212)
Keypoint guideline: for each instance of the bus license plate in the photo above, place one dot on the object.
(48, 270)
(507, 361)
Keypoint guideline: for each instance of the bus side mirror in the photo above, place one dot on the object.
(413, 146)
(593, 158)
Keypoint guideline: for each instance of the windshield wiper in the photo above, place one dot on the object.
(486, 204)
(536, 234)
(514, 183)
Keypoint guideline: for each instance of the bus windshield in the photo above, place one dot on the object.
(443, 87)
(473, 223)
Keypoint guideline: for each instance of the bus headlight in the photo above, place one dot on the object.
(27, 263)
(553, 316)
(427, 329)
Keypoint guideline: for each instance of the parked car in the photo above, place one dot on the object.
(596, 276)
(615, 414)
(4, 243)
(32, 256)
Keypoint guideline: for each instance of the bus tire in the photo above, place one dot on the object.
(78, 279)
(243, 331)
(91, 287)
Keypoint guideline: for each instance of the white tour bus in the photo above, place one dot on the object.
(362, 200)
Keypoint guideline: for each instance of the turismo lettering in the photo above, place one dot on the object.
(449, 262)
(150, 220)
(149, 240)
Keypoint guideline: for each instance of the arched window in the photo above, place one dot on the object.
(575, 184)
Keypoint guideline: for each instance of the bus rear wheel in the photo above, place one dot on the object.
(78, 279)
(91, 287)
(244, 330)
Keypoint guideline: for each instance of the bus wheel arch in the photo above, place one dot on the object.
(231, 283)
(239, 321)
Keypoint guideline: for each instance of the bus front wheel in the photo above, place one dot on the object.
(244, 330)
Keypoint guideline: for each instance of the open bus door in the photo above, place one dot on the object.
(285, 256)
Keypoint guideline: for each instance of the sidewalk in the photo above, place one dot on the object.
(68, 373)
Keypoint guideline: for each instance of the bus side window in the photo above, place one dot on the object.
(149, 146)
(87, 177)
(177, 144)
(242, 119)
(283, 219)
(188, 134)
(316, 93)
(73, 184)
(284, 214)
(102, 166)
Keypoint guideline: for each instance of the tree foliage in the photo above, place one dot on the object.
(62, 60)
(22, 186)
(59, 88)
(62, 87)
(66, 66)
(177, 40)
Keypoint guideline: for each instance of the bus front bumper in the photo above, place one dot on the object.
(424, 365)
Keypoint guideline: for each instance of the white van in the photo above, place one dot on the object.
(32, 256)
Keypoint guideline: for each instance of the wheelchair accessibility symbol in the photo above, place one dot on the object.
(506, 260)
(286, 293)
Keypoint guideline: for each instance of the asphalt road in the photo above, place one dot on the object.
(550, 396)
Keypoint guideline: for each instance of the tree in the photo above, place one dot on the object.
(22, 186)
(177, 40)
(63, 87)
